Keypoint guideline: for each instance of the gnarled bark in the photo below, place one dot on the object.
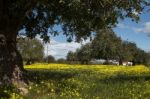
(11, 64)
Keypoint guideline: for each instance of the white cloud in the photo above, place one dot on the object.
(122, 26)
(60, 49)
(138, 29)
(145, 29)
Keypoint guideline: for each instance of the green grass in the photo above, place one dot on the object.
(62, 81)
(57, 81)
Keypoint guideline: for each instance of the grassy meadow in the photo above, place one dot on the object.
(62, 81)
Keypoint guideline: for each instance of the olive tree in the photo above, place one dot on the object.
(31, 49)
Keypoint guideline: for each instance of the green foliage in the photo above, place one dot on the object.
(30, 49)
(77, 17)
(147, 55)
(61, 61)
(105, 45)
(49, 59)
(72, 57)
(129, 50)
(132, 53)
(84, 54)
(9, 92)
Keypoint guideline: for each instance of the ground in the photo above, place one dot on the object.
(62, 81)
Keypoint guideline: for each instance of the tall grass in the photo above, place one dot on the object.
(62, 81)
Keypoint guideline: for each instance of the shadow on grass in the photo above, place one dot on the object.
(43, 75)
(4, 95)
(125, 78)
(5, 92)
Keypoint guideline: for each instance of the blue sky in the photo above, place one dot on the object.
(126, 29)
(138, 33)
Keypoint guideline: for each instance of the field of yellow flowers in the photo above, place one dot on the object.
(63, 81)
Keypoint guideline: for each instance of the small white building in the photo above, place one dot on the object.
(127, 63)
(102, 61)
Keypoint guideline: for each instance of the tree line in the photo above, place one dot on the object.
(106, 45)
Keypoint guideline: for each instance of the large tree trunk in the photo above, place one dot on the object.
(11, 64)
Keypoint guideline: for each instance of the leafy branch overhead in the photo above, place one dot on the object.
(76, 17)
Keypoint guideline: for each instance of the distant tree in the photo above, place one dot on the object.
(105, 45)
(49, 59)
(127, 52)
(31, 49)
(61, 60)
(130, 52)
(84, 53)
(141, 57)
(148, 59)
(72, 57)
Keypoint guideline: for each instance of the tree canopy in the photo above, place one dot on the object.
(105, 44)
(77, 17)
(84, 53)
(49, 59)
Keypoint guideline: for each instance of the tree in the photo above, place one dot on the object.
(61, 60)
(148, 59)
(140, 57)
(72, 57)
(127, 51)
(50, 59)
(77, 18)
(130, 52)
(105, 45)
(84, 53)
(31, 49)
